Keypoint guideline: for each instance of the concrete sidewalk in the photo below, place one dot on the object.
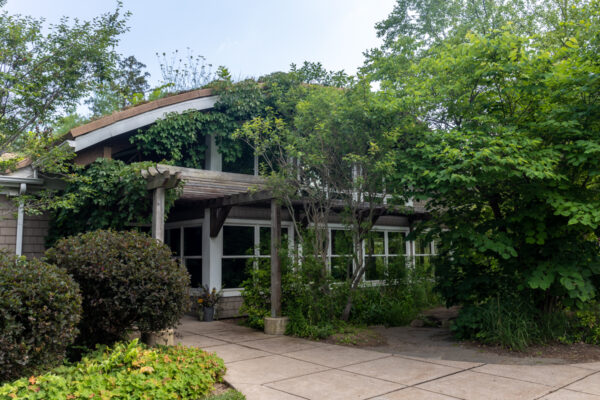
(267, 367)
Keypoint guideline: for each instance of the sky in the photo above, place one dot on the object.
(250, 38)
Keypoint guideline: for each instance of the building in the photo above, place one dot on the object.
(223, 220)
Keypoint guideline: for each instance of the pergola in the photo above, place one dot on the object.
(217, 192)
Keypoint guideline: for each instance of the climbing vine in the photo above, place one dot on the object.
(107, 194)
(181, 137)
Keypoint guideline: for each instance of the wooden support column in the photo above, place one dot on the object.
(275, 259)
(158, 214)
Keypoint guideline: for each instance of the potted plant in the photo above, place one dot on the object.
(207, 302)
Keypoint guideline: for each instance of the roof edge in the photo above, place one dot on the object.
(136, 110)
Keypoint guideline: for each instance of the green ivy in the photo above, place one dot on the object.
(108, 194)
(181, 137)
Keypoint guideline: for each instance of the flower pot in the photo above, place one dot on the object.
(209, 313)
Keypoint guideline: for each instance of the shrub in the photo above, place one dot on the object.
(40, 307)
(126, 371)
(127, 280)
(585, 325)
(314, 302)
(510, 322)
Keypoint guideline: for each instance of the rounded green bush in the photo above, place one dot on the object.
(40, 307)
(127, 280)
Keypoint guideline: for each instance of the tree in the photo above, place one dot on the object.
(505, 146)
(328, 159)
(128, 83)
(44, 75)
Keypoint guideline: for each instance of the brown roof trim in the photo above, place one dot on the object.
(142, 108)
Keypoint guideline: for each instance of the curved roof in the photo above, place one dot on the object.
(121, 122)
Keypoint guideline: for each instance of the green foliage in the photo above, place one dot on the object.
(228, 395)
(127, 280)
(181, 138)
(126, 371)
(585, 325)
(503, 144)
(314, 302)
(514, 323)
(108, 194)
(40, 307)
(47, 70)
(125, 87)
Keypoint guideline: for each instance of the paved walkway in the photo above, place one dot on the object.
(267, 367)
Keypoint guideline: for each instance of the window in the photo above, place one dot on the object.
(385, 254)
(238, 250)
(242, 246)
(192, 253)
(188, 250)
(422, 254)
(375, 256)
(341, 255)
(245, 164)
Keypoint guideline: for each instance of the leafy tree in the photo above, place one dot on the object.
(128, 84)
(327, 158)
(44, 74)
(504, 144)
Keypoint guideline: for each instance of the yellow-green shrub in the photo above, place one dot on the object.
(126, 371)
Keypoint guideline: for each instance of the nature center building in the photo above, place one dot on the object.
(222, 220)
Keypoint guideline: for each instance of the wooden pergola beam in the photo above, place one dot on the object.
(157, 182)
(217, 219)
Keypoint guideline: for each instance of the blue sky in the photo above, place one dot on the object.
(251, 38)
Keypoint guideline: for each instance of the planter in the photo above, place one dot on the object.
(208, 314)
(165, 338)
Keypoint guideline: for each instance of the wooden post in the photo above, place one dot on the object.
(275, 259)
(158, 214)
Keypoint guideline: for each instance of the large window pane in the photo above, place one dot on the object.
(244, 164)
(375, 244)
(341, 242)
(194, 267)
(341, 268)
(396, 243)
(265, 240)
(173, 240)
(422, 247)
(192, 241)
(375, 268)
(234, 272)
(238, 240)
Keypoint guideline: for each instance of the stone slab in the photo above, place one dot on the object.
(590, 385)
(413, 394)
(401, 370)
(259, 392)
(268, 369)
(336, 356)
(335, 385)
(470, 385)
(199, 341)
(550, 375)
(233, 352)
(564, 394)
(284, 344)
(448, 363)
(238, 335)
